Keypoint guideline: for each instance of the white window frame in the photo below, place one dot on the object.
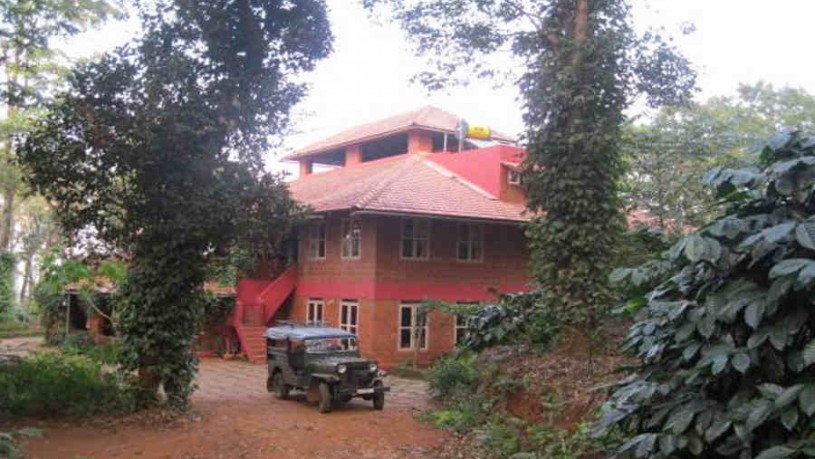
(316, 240)
(345, 323)
(470, 242)
(513, 176)
(414, 239)
(315, 313)
(463, 326)
(352, 306)
(348, 238)
(414, 307)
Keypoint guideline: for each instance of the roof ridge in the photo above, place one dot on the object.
(384, 182)
(448, 173)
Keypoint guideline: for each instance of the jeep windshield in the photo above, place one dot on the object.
(328, 345)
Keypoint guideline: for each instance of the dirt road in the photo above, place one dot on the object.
(236, 418)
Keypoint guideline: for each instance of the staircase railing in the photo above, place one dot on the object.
(273, 296)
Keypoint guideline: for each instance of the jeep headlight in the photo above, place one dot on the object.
(341, 369)
(372, 368)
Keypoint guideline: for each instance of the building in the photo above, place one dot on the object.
(405, 215)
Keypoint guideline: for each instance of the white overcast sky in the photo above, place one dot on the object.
(367, 76)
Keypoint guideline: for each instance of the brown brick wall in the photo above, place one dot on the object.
(381, 280)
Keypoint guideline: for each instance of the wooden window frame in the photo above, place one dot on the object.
(470, 242)
(416, 222)
(315, 243)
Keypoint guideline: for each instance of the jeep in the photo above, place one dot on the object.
(324, 363)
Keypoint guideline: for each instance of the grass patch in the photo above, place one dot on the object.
(54, 383)
(13, 329)
(409, 372)
(81, 344)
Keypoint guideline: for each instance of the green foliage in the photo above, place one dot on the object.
(582, 65)
(724, 340)
(667, 157)
(519, 318)
(9, 445)
(7, 297)
(53, 383)
(50, 291)
(33, 70)
(81, 344)
(156, 150)
(453, 374)
(513, 438)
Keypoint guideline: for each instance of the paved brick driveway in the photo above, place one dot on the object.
(236, 380)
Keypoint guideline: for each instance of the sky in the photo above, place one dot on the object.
(368, 75)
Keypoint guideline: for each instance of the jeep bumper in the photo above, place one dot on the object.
(363, 391)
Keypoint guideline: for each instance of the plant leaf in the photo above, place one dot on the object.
(741, 362)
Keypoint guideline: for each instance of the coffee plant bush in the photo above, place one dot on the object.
(517, 318)
(726, 341)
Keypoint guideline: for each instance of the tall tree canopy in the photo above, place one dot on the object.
(668, 155)
(582, 65)
(156, 150)
(32, 70)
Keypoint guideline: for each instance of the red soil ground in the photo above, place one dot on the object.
(234, 417)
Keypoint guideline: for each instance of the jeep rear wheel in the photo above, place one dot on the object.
(325, 398)
(379, 396)
(281, 389)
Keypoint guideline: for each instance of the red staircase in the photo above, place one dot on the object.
(258, 300)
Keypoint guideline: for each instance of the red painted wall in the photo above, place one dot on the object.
(483, 166)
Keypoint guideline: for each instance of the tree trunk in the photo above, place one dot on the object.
(27, 278)
(7, 219)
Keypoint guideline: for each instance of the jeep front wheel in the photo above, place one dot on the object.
(379, 396)
(280, 387)
(325, 398)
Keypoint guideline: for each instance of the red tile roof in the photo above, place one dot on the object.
(428, 117)
(405, 184)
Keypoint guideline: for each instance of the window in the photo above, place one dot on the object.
(470, 245)
(351, 238)
(316, 240)
(349, 319)
(461, 329)
(415, 239)
(349, 316)
(315, 312)
(410, 330)
(461, 322)
(514, 177)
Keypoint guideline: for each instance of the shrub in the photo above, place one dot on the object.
(726, 343)
(453, 374)
(52, 383)
(517, 318)
(514, 438)
(106, 354)
(9, 447)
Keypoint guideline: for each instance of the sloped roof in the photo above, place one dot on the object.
(427, 117)
(405, 184)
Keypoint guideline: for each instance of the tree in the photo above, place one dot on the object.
(156, 150)
(32, 69)
(37, 235)
(582, 65)
(726, 335)
(668, 156)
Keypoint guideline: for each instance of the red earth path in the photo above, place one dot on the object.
(234, 417)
